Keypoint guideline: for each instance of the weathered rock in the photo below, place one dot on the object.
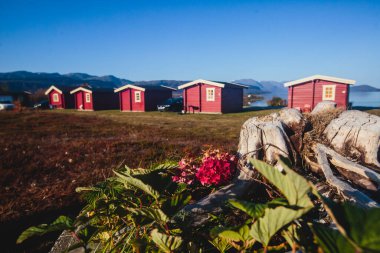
(356, 133)
(323, 106)
(290, 116)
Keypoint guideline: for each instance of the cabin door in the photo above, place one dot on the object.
(126, 100)
(79, 100)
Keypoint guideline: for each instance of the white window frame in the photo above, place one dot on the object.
(55, 97)
(138, 96)
(88, 98)
(325, 87)
(210, 97)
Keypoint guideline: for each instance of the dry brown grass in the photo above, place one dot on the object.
(46, 155)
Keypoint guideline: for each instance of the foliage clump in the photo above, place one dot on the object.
(140, 211)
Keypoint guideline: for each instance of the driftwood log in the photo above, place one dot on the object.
(345, 152)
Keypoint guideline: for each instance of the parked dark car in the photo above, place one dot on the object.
(172, 105)
(42, 105)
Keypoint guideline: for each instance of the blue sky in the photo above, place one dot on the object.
(219, 40)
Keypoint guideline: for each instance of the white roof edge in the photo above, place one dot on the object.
(167, 87)
(52, 88)
(80, 89)
(185, 85)
(321, 77)
(242, 85)
(129, 86)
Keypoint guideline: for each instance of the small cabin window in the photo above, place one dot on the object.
(210, 93)
(138, 96)
(328, 92)
(55, 97)
(88, 98)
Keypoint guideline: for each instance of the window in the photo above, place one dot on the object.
(210, 93)
(328, 92)
(88, 97)
(138, 96)
(55, 97)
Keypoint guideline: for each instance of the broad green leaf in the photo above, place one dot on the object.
(129, 180)
(252, 209)
(165, 166)
(360, 226)
(331, 241)
(155, 214)
(166, 243)
(220, 244)
(294, 187)
(230, 235)
(272, 221)
(60, 224)
(244, 233)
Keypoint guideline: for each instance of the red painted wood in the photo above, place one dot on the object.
(301, 96)
(196, 95)
(80, 101)
(58, 104)
(128, 100)
(125, 100)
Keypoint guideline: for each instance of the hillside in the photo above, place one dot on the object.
(262, 86)
(364, 88)
(28, 81)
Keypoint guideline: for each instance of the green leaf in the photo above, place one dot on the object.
(360, 226)
(252, 209)
(220, 244)
(294, 187)
(230, 235)
(166, 243)
(165, 167)
(179, 199)
(272, 221)
(60, 224)
(331, 241)
(244, 233)
(155, 214)
(129, 180)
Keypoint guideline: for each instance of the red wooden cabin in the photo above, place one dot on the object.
(203, 96)
(60, 97)
(141, 98)
(90, 99)
(304, 94)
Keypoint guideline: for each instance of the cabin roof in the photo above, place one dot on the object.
(144, 87)
(213, 83)
(90, 89)
(59, 88)
(320, 77)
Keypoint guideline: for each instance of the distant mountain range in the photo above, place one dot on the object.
(364, 88)
(29, 81)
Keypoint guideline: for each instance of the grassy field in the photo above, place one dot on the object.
(46, 155)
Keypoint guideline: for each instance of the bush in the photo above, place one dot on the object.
(140, 211)
(277, 101)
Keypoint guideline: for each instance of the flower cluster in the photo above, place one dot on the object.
(217, 168)
(186, 171)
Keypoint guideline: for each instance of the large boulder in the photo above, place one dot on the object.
(324, 106)
(356, 134)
